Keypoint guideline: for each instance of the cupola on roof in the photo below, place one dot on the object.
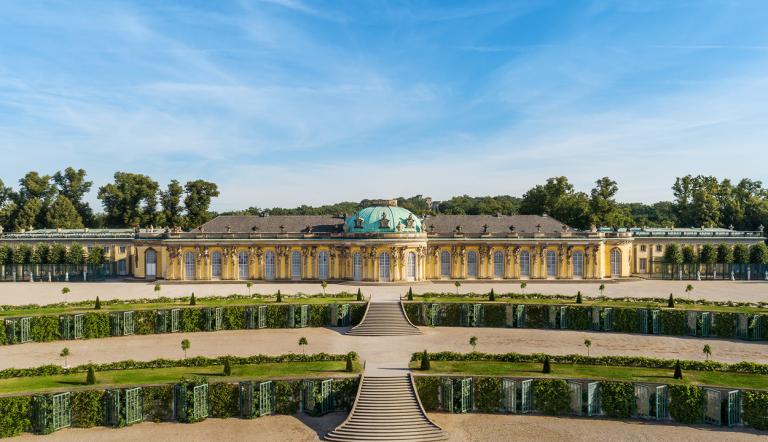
(385, 218)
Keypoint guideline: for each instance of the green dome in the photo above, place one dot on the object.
(383, 219)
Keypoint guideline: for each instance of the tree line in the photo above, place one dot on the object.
(721, 254)
(130, 200)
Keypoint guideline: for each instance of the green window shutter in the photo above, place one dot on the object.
(734, 408)
(175, 313)
(662, 402)
(526, 396)
(576, 398)
(593, 399)
(133, 406)
(263, 316)
(447, 395)
(510, 395)
(563, 318)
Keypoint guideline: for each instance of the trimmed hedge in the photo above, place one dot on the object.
(621, 361)
(428, 389)
(87, 408)
(754, 409)
(551, 396)
(487, 398)
(15, 415)
(618, 399)
(687, 403)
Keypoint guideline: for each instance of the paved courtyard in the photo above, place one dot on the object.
(20, 293)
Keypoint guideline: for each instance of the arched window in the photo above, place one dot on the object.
(242, 265)
(578, 264)
(498, 264)
(472, 264)
(357, 266)
(411, 266)
(384, 267)
(150, 263)
(525, 263)
(322, 265)
(551, 264)
(189, 265)
(295, 265)
(269, 265)
(445, 264)
(615, 263)
(216, 265)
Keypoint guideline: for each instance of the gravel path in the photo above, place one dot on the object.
(21, 293)
(386, 352)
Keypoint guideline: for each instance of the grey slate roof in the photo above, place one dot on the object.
(271, 224)
(473, 224)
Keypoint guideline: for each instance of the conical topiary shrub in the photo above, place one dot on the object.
(578, 297)
(90, 378)
(359, 295)
(410, 294)
(425, 361)
(671, 302)
(349, 367)
(279, 297)
(192, 300)
(678, 370)
(546, 368)
(492, 296)
(227, 367)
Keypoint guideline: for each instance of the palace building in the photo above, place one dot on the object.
(383, 243)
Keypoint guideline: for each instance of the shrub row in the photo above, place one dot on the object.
(198, 361)
(97, 324)
(687, 403)
(579, 317)
(616, 361)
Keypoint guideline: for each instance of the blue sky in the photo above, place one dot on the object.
(284, 102)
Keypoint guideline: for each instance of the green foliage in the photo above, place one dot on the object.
(410, 294)
(348, 367)
(158, 402)
(536, 316)
(234, 317)
(678, 371)
(15, 415)
(673, 255)
(551, 396)
(671, 301)
(360, 295)
(492, 296)
(487, 394)
(625, 320)
(425, 361)
(578, 297)
(45, 328)
(191, 320)
(689, 255)
(192, 300)
(97, 306)
(725, 325)
(224, 399)
(754, 409)
(87, 408)
(287, 396)
(618, 399)
(344, 392)
(724, 253)
(758, 254)
(96, 325)
(687, 403)
(673, 322)
(428, 388)
(546, 369)
(740, 254)
(227, 368)
(90, 378)
(144, 322)
(494, 315)
(279, 297)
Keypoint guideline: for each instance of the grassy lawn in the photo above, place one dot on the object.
(273, 370)
(81, 307)
(592, 302)
(653, 375)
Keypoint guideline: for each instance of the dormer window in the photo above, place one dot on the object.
(358, 222)
(384, 222)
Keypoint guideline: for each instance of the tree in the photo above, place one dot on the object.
(523, 285)
(157, 290)
(62, 214)
(410, 294)
(425, 365)
(198, 200)
(97, 306)
(56, 254)
(557, 198)
(724, 254)
(492, 296)
(689, 255)
(601, 288)
(75, 255)
(123, 199)
(741, 254)
(64, 292)
(96, 257)
(602, 204)
(279, 297)
(65, 354)
(707, 350)
(192, 300)
(170, 201)
(227, 367)
(678, 370)
(758, 254)
(303, 343)
(90, 378)
(708, 256)
(578, 297)
(457, 284)
(349, 368)
(28, 216)
(73, 186)
(185, 344)
(671, 301)
(248, 285)
(672, 255)
(546, 368)
(359, 294)
(473, 342)
(588, 344)
(688, 289)
(323, 284)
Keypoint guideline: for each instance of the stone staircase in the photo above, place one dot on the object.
(384, 319)
(387, 409)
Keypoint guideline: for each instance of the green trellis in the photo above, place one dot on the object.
(563, 317)
(18, 330)
(168, 321)
(213, 318)
(471, 315)
(434, 314)
(509, 395)
(121, 323)
(458, 395)
(526, 396)
(749, 327)
(576, 398)
(662, 402)
(520, 316)
(51, 412)
(606, 316)
(552, 316)
(596, 318)
(191, 401)
(642, 319)
(317, 397)
(713, 407)
(656, 322)
(643, 409)
(593, 399)
(734, 408)
(257, 399)
(344, 318)
(71, 326)
(123, 407)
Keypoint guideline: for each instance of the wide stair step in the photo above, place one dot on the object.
(384, 319)
(387, 409)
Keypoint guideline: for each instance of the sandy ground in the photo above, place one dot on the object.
(387, 352)
(460, 427)
(21, 293)
(493, 428)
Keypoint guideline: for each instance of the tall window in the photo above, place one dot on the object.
(242, 265)
(525, 263)
(643, 265)
(322, 265)
(551, 264)
(498, 265)
(269, 265)
(216, 265)
(384, 267)
(189, 265)
(295, 265)
(615, 263)
(357, 266)
(150, 263)
(121, 267)
(411, 266)
(472, 264)
(578, 264)
(445, 264)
